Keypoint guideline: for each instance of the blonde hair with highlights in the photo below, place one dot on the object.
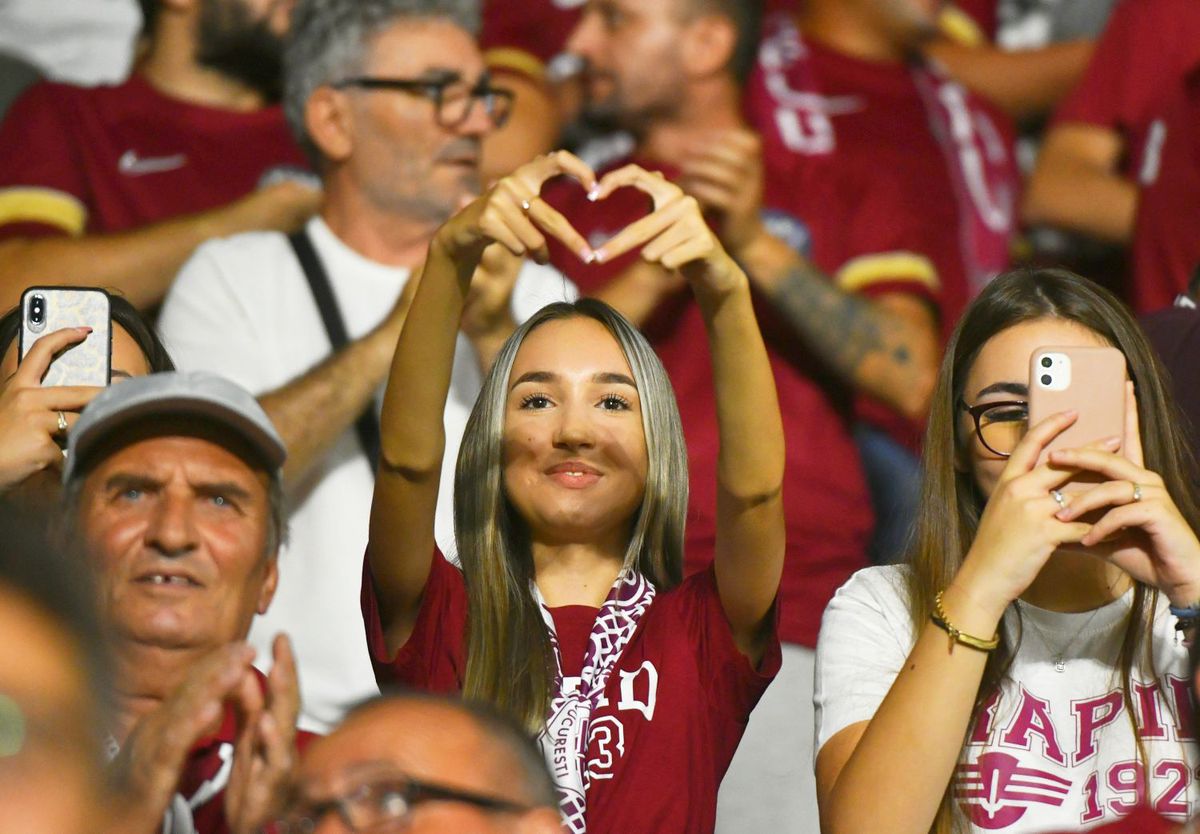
(509, 659)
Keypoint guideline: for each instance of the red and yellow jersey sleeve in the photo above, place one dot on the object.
(41, 191)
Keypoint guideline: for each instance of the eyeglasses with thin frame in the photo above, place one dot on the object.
(999, 425)
(452, 99)
(385, 801)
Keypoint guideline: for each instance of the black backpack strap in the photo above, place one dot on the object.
(367, 425)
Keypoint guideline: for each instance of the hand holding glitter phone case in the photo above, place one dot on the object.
(45, 310)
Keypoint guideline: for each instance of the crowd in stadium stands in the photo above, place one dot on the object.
(599, 416)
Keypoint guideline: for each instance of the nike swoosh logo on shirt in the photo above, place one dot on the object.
(133, 165)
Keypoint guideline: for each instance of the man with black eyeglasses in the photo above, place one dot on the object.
(423, 765)
(391, 100)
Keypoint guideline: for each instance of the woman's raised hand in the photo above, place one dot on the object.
(513, 214)
(1020, 528)
(33, 417)
(675, 235)
(1142, 532)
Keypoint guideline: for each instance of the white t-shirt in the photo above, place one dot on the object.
(87, 43)
(1056, 751)
(241, 307)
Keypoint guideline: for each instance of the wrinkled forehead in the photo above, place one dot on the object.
(419, 47)
(155, 446)
(391, 740)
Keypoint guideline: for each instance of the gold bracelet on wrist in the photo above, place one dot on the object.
(940, 620)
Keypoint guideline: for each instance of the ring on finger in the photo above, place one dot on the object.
(62, 422)
(1057, 495)
(1137, 492)
(526, 205)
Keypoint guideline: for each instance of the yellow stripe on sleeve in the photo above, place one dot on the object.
(42, 205)
(960, 27)
(515, 60)
(862, 272)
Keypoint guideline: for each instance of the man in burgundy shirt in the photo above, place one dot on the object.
(1165, 251)
(115, 186)
(1107, 135)
(172, 490)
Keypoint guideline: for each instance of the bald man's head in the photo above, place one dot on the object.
(441, 745)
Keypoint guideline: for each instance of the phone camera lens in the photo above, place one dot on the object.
(1047, 362)
(1047, 379)
(37, 309)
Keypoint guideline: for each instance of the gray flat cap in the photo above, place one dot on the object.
(196, 394)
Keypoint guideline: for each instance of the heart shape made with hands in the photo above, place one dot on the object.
(661, 191)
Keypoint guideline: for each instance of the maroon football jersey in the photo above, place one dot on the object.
(527, 36)
(673, 712)
(983, 13)
(1166, 238)
(1139, 66)
(107, 159)
(889, 176)
(200, 795)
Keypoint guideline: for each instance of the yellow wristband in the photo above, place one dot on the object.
(940, 620)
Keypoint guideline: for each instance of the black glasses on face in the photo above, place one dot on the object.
(999, 425)
(453, 99)
(389, 801)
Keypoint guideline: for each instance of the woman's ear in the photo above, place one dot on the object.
(329, 123)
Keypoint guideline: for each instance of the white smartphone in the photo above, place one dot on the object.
(45, 310)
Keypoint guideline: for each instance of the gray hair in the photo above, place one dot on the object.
(328, 42)
(506, 734)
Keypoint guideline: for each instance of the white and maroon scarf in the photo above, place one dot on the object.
(564, 740)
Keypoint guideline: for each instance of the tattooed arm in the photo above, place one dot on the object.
(885, 346)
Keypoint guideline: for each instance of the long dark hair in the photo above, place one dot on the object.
(124, 314)
(951, 504)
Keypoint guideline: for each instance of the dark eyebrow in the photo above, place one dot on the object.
(121, 481)
(534, 376)
(614, 379)
(1017, 389)
(440, 75)
(604, 378)
(225, 488)
(124, 480)
(120, 373)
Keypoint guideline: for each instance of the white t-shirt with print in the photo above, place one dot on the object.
(242, 308)
(1055, 751)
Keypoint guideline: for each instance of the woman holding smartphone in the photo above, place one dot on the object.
(569, 612)
(1023, 674)
(34, 419)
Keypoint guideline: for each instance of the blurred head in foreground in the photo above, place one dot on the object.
(424, 765)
